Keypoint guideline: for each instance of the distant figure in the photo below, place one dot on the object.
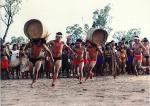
(138, 49)
(14, 61)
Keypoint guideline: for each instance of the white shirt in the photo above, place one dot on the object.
(14, 55)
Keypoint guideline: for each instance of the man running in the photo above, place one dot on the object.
(78, 61)
(57, 48)
(36, 53)
(92, 52)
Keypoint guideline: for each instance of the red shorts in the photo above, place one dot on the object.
(77, 62)
(138, 57)
(89, 60)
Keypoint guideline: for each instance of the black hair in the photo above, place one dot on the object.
(79, 40)
(14, 45)
(58, 33)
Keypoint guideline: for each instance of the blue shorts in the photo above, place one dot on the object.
(130, 59)
(100, 60)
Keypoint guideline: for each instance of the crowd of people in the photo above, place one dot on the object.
(78, 60)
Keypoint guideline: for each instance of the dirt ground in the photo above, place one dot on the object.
(125, 90)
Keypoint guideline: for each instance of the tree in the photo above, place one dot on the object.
(11, 8)
(132, 32)
(19, 39)
(101, 18)
(119, 35)
(127, 35)
(86, 28)
(74, 32)
(13, 39)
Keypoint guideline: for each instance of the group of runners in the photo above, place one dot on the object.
(84, 57)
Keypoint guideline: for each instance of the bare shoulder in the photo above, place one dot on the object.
(62, 42)
(51, 42)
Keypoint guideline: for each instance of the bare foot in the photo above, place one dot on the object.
(85, 79)
(80, 82)
(91, 75)
(32, 85)
(53, 84)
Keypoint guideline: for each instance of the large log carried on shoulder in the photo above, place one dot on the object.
(97, 36)
(34, 29)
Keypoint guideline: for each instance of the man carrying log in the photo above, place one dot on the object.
(92, 52)
(34, 30)
(37, 48)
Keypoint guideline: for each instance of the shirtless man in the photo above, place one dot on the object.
(122, 58)
(36, 53)
(115, 66)
(57, 47)
(78, 60)
(108, 58)
(138, 49)
(92, 52)
(146, 52)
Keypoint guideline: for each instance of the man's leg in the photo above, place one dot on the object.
(36, 69)
(81, 65)
(135, 67)
(89, 70)
(57, 67)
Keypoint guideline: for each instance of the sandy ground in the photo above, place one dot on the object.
(101, 91)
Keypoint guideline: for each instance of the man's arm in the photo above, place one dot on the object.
(99, 48)
(142, 46)
(49, 51)
(69, 48)
(51, 42)
(85, 54)
(27, 46)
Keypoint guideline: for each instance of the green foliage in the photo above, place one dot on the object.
(127, 35)
(74, 32)
(119, 35)
(86, 27)
(132, 32)
(101, 18)
(19, 39)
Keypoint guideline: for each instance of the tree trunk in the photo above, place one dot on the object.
(6, 31)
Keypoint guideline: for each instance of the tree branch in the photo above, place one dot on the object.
(3, 20)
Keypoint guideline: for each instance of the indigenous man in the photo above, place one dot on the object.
(114, 59)
(130, 58)
(78, 61)
(122, 58)
(37, 47)
(138, 48)
(146, 52)
(57, 47)
(108, 58)
(92, 52)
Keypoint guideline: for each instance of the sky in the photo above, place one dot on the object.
(56, 15)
